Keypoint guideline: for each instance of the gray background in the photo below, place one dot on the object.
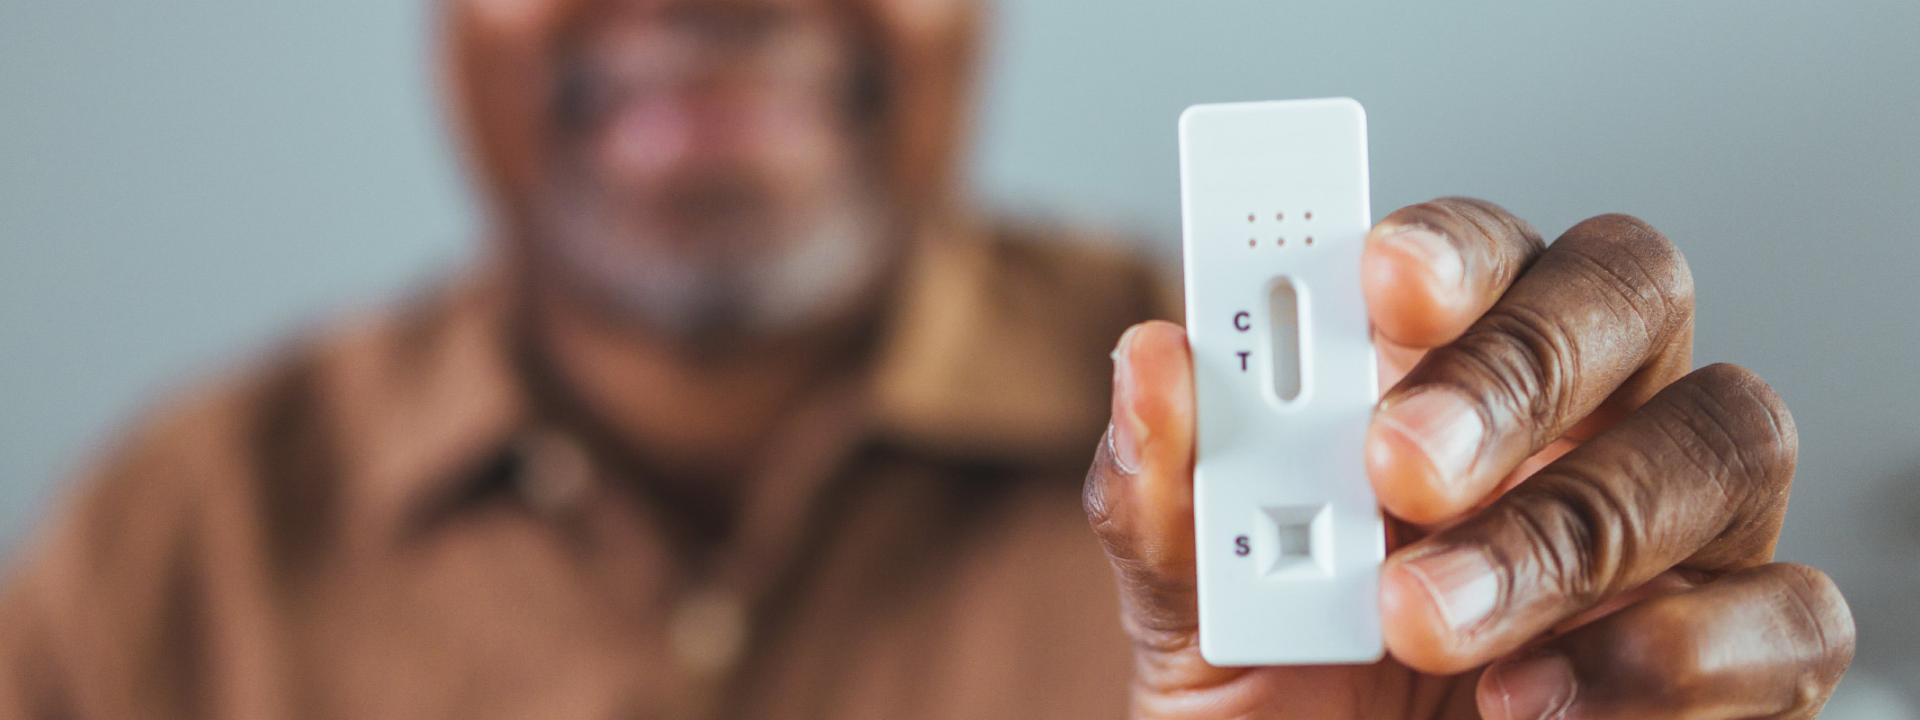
(182, 182)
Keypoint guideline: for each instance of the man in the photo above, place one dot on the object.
(745, 416)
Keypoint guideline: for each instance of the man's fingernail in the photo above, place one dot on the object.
(1432, 249)
(1124, 434)
(1462, 583)
(1537, 688)
(1446, 427)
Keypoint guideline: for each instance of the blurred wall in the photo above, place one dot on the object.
(183, 182)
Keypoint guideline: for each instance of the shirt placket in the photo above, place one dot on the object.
(717, 612)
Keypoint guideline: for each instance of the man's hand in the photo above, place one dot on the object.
(1583, 528)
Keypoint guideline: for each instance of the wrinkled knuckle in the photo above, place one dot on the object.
(1822, 610)
(1157, 609)
(1818, 614)
(1435, 215)
(1470, 220)
(1417, 214)
(1577, 536)
(1496, 220)
(1638, 266)
(1157, 643)
(1449, 215)
(1528, 358)
(1626, 231)
(1744, 421)
(1471, 209)
(1096, 500)
(1489, 370)
(1778, 429)
(1614, 224)
(1661, 262)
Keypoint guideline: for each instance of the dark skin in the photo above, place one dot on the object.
(686, 140)
(1626, 508)
(1584, 527)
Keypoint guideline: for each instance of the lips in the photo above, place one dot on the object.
(654, 133)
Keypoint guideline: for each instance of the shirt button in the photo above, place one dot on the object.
(708, 632)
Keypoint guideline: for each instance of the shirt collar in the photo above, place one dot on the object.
(987, 359)
(975, 362)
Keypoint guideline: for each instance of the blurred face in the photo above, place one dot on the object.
(710, 169)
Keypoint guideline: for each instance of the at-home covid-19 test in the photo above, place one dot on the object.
(1288, 535)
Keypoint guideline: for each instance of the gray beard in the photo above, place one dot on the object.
(712, 296)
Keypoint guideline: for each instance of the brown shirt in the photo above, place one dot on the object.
(390, 521)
